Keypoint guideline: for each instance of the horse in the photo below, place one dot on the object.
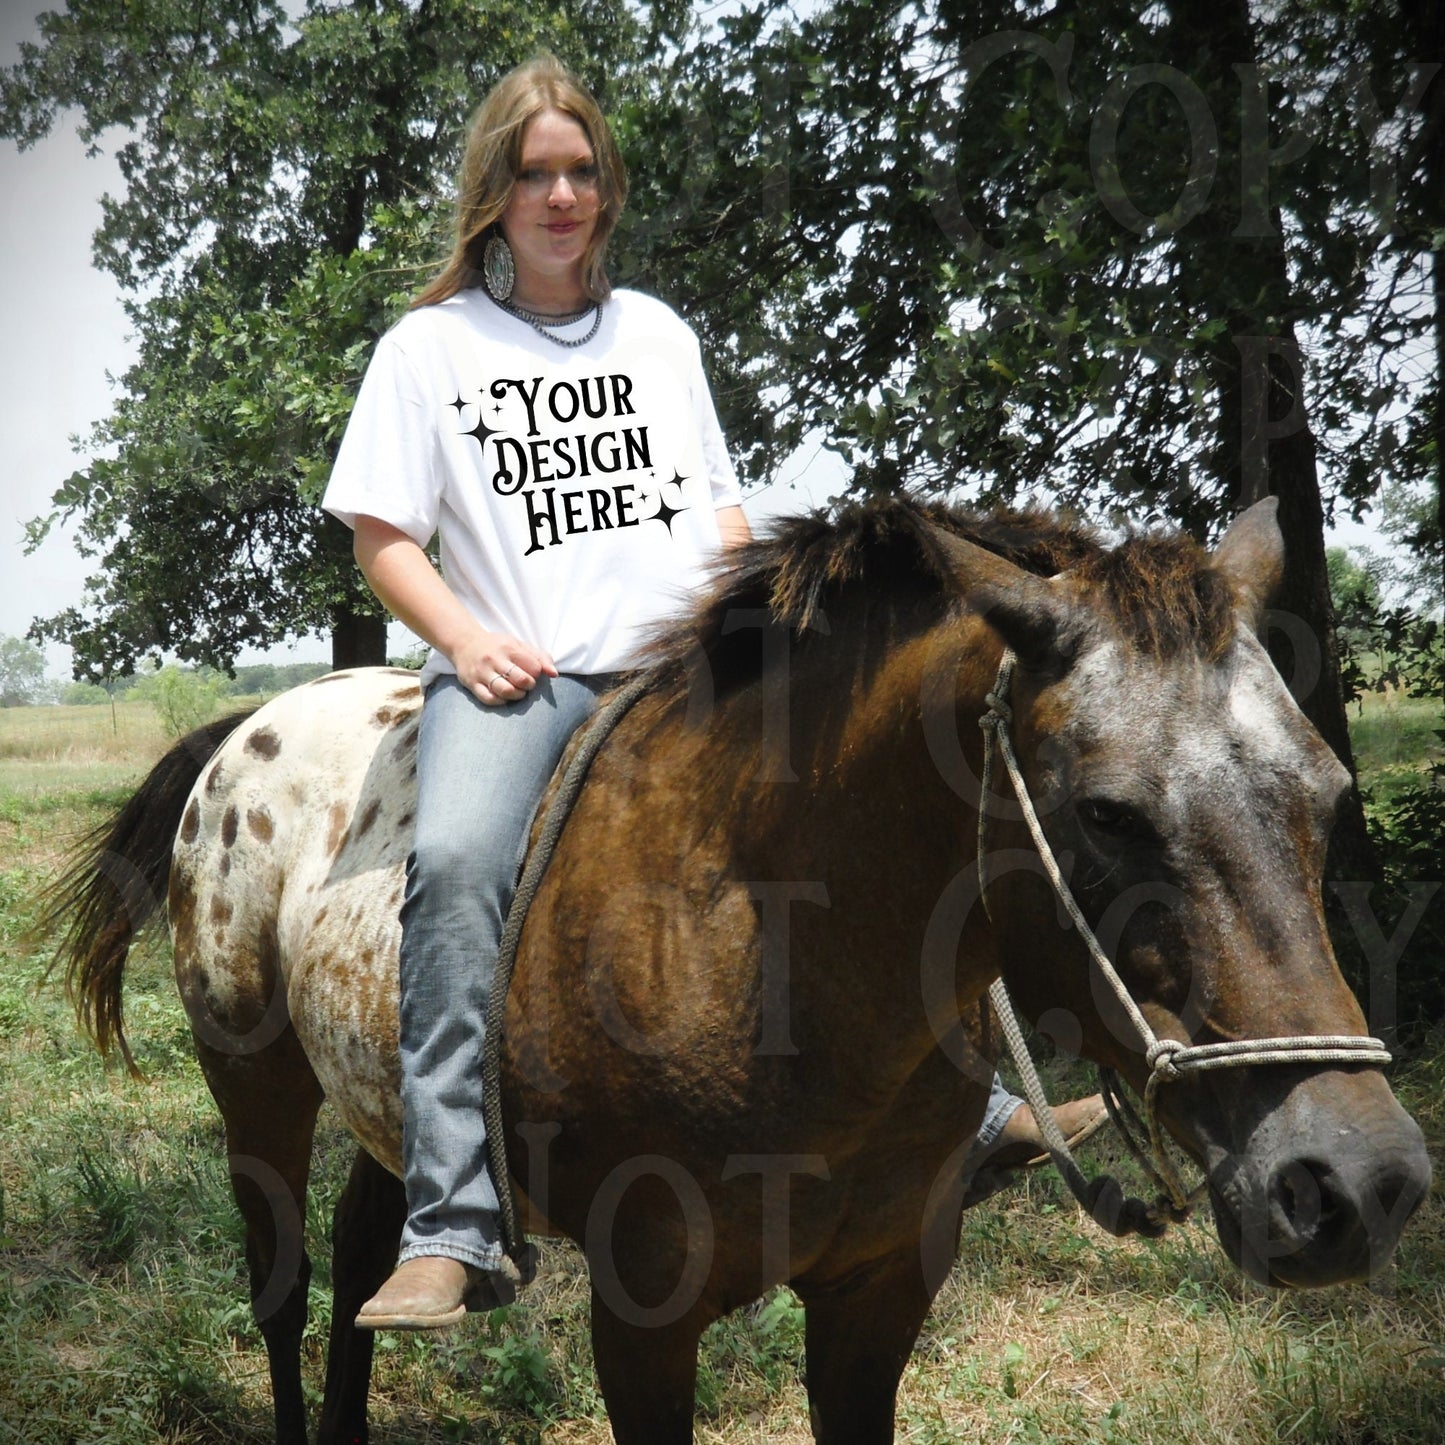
(746, 1041)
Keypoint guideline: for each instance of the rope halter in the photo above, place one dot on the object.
(1167, 1059)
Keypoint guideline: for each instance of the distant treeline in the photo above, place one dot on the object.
(263, 679)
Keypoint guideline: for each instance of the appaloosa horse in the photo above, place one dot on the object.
(740, 1041)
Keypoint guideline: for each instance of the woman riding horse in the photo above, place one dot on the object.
(546, 593)
(480, 395)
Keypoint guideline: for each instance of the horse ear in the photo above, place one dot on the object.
(1250, 556)
(1028, 613)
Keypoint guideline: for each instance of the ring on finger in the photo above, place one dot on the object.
(496, 678)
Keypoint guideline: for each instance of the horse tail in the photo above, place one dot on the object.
(116, 883)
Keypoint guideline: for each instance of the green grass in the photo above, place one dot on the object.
(1395, 740)
(122, 1294)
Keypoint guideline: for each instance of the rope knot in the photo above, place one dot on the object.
(1160, 1058)
(998, 714)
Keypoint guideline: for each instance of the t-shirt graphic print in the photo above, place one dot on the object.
(574, 491)
(578, 454)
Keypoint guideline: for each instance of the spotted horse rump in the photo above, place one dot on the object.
(286, 885)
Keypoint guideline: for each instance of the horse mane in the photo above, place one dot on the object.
(1159, 588)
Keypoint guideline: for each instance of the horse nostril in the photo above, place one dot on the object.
(1304, 1197)
(1398, 1192)
(1328, 1215)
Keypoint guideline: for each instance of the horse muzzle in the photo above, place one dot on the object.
(1323, 1188)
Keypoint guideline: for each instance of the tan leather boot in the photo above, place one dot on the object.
(1020, 1145)
(426, 1293)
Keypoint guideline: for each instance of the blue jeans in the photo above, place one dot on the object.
(1000, 1109)
(480, 773)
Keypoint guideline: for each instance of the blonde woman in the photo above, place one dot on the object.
(560, 439)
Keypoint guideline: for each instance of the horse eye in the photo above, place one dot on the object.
(1116, 819)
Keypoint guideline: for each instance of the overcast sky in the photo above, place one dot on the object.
(65, 333)
(63, 330)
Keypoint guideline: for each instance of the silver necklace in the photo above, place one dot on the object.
(538, 322)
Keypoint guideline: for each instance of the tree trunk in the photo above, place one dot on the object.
(1436, 400)
(1264, 444)
(1425, 20)
(357, 640)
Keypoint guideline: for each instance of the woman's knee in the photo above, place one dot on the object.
(456, 861)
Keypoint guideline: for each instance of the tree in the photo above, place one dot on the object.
(281, 170)
(22, 672)
(1118, 259)
(1129, 259)
(1420, 238)
(1411, 520)
(183, 697)
(1355, 595)
(84, 694)
(1354, 575)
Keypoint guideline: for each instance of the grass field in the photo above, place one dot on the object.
(1394, 739)
(122, 1299)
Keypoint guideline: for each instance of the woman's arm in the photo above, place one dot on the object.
(732, 526)
(402, 576)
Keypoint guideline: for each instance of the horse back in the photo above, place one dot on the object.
(286, 884)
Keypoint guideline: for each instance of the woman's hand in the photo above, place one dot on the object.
(497, 668)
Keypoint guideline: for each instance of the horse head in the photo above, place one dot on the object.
(1190, 803)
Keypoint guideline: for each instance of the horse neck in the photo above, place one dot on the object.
(890, 723)
(850, 779)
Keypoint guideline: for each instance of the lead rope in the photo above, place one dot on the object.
(1167, 1059)
(514, 1240)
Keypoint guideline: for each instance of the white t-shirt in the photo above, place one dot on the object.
(575, 491)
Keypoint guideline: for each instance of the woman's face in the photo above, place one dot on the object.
(553, 210)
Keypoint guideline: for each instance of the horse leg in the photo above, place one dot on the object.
(647, 1374)
(269, 1101)
(365, 1232)
(859, 1333)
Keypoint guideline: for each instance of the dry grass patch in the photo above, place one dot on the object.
(129, 733)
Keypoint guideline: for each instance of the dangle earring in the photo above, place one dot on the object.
(498, 270)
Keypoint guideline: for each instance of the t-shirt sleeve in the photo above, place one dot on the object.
(721, 473)
(386, 464)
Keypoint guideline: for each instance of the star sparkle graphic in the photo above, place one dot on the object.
(459, 404)
(482, 431)
(666, 514)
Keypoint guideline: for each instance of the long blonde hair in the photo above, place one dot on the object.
(493, 155)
